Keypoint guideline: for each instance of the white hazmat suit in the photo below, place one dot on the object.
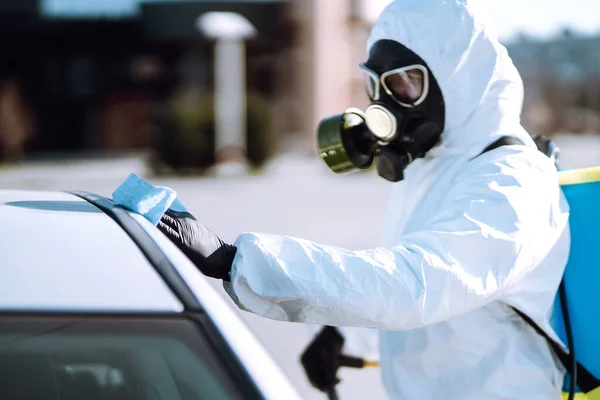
(465, 239)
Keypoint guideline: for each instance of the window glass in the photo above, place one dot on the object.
(111, 359)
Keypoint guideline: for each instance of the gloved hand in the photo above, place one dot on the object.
(211, 255)
(321, 359)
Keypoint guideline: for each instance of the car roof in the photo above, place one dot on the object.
(61, 253)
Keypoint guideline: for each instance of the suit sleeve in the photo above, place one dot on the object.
(490, 230)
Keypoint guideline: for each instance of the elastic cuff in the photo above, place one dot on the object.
(230, 252)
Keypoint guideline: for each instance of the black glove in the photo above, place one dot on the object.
(321, 359)
(211, 255)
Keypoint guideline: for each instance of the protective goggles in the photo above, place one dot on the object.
(408, 86)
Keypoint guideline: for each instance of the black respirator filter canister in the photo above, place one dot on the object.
(345, 143)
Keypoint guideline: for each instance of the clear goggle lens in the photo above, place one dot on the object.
(407, 86)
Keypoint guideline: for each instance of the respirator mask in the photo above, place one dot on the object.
(403, 122)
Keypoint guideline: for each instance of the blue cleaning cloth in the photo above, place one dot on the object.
(139, 196)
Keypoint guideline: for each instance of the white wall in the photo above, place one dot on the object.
(372, 9)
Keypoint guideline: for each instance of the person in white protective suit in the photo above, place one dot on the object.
(468, 237)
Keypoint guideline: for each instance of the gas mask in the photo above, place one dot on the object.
(404, 121)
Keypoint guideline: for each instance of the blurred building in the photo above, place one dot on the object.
(108, 74)
(561, 76)
(99, 74)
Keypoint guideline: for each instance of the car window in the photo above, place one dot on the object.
(119, 358)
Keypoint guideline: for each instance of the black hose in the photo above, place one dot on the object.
(570, 342)
(332, 394)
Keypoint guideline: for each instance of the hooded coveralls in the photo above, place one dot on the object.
(467, 236)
